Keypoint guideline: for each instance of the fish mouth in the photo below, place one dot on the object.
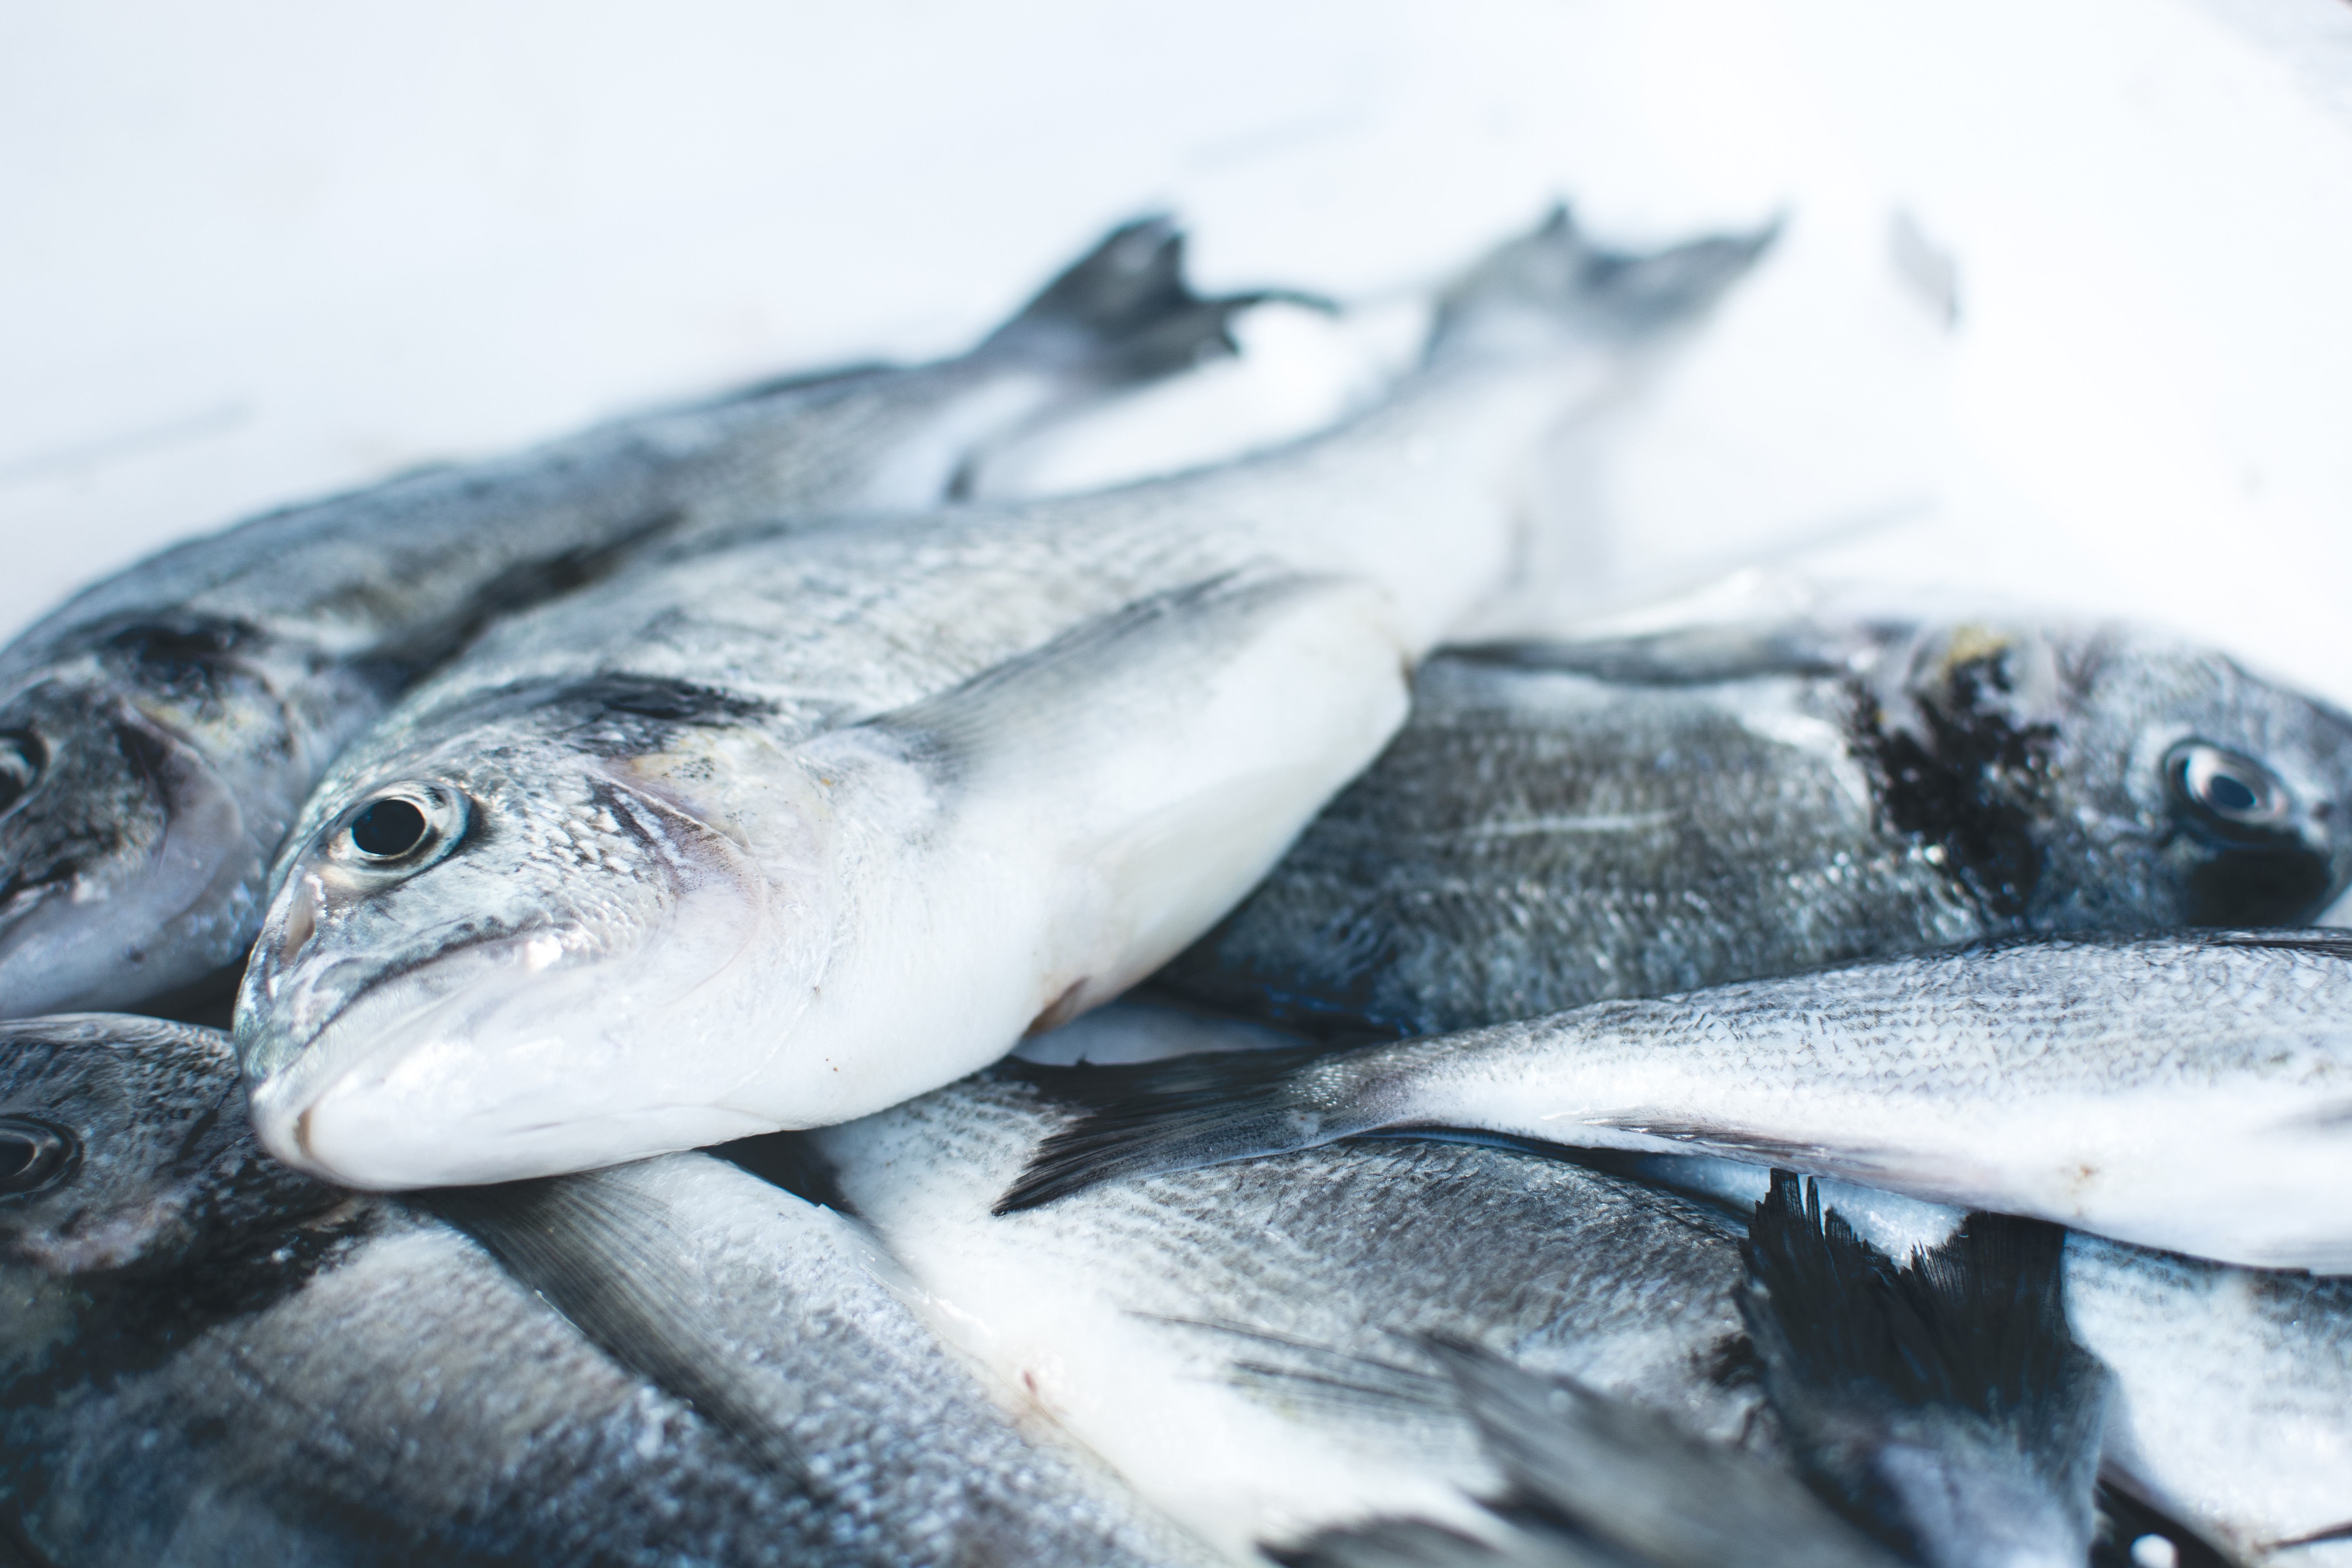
(122, 915)
(507, 1057)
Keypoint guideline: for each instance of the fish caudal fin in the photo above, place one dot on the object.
(1531, 291)
(1124, 312)
(1593, 1479)
(1151, 1118)
(1945, 1402)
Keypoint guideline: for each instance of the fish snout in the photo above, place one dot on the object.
(502, 1016)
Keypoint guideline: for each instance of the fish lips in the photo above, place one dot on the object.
(100, 909)
(525, 1054)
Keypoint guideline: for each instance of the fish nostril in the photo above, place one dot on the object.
(301, 922)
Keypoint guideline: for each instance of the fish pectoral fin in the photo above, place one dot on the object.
(1142, 672)
(1297, 1371)
(606, 1257)
(1150, 766)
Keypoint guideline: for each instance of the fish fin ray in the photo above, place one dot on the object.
(602, 1256)
(1555, 276)
(1968, 1341)
(1152, 1118)
(1585, 1461)
(1125, 311)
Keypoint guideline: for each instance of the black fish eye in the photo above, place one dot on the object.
(401, 827)
(388, 829)
(34, 1155)
(2226, 788)
(20, 764)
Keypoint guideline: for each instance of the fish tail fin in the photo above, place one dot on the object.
(1124, 312)
(1591, 1478)
(1947, 1393)
(1554, 283)
(1600, 1465)
(1148, 1119)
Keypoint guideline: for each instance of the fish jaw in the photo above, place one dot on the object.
(127, 863)
(526, 1005)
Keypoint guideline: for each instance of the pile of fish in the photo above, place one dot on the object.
(787, 1009)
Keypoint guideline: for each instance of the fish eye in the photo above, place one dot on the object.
(34, 1155)
(20, 764)
(401, 826)
(2225, 788)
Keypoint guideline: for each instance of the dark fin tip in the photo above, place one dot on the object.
(1126, 309)
(1134, 1116)
(789, 1160)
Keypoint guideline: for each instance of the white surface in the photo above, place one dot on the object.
(259, 250)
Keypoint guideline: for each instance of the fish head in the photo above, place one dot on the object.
(133, 839)
(2110, 776)
(503, 956)
(122, 1144)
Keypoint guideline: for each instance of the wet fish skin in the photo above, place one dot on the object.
(2185, 1093)
(364, 1384)
(159, 732)
(1563, 822)
(2235, 1388)
(1243, 1343)
(1945, 1400)
(728, 846)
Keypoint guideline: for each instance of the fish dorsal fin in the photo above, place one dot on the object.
(1942, 1401)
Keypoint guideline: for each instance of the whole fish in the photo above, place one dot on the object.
(159, 732)
(783, 833)
(1246, 1343)
(1562, 823)
(206, 1357)
(2188, 1092)
(1944, 1402)
(1597, 1482)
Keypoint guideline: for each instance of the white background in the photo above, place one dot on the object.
(254, 250)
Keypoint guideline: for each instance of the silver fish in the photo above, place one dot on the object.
(159, 732)
(1246, 1343)
(782, 834)
(1563, 822)
(2188, 1092)
(205, 1358)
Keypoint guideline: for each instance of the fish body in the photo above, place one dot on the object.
(1563, 822)
(159, 732)
(208, 1359)
(1245, 1344)
(782, 833)
(2186, 1092)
